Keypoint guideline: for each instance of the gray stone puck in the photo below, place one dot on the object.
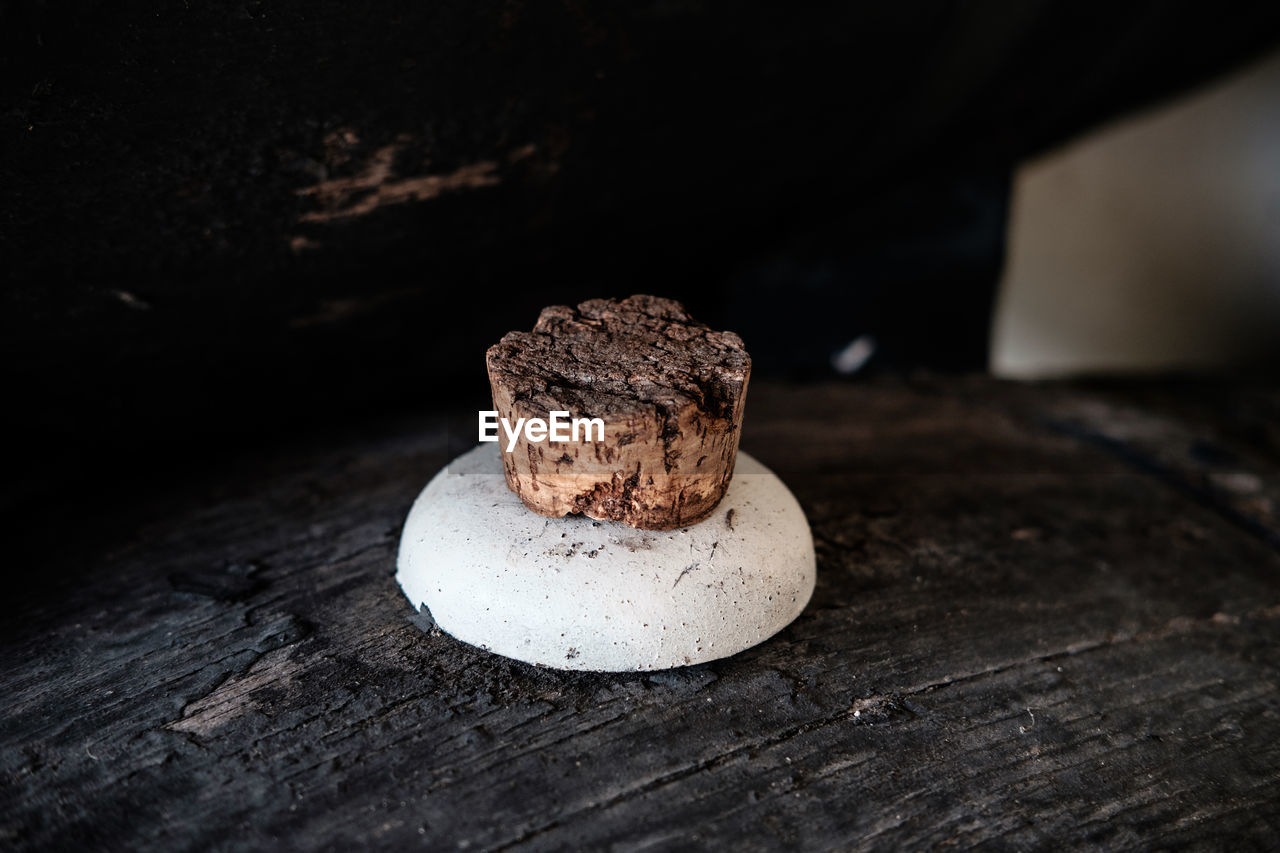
(574, 593)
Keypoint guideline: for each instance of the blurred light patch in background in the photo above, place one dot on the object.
(1152, 244)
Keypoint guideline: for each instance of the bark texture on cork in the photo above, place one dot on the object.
(670, 391)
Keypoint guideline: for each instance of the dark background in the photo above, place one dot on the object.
(252, 254)
(223, 220)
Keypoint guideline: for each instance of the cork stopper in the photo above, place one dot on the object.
(661, 396)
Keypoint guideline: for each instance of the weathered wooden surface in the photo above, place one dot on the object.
(1045, 616)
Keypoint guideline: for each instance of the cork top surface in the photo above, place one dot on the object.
(609, 357)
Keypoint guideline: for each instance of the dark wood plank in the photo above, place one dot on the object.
(1021, 637)
(207, 207)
